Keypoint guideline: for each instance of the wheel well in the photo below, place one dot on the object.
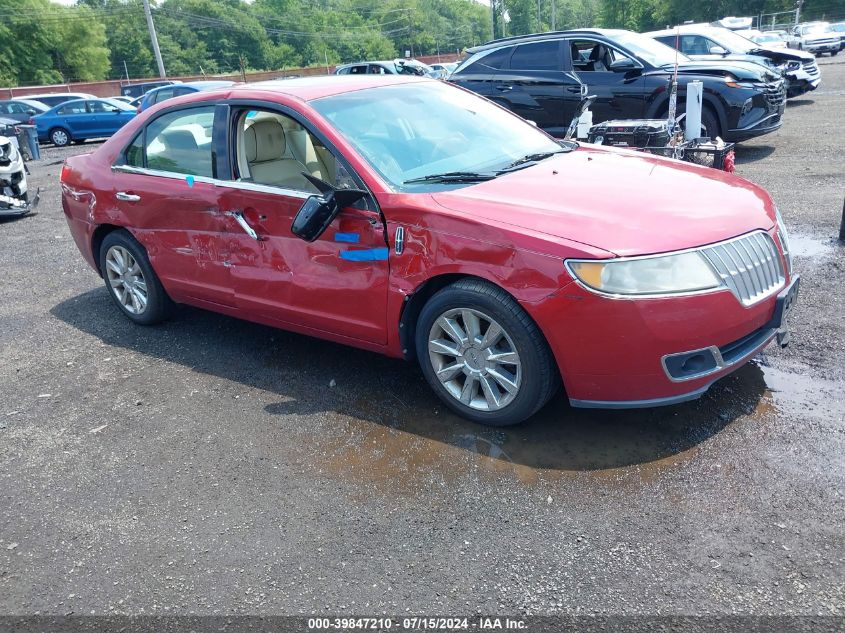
(97, 240)
(58, 127)
(414, 304)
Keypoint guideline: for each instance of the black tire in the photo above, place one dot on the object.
(60, 137)
(539, 375)
(834, 53)
(710, 123)
(158, 305)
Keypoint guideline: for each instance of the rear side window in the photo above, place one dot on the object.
(536, 56)
(76, 107)
(178, 142)
(492, 61)
(162, 95)
(669, 40)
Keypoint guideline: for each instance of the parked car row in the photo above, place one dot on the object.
(702, 41)
(68, 117)
(542, 77)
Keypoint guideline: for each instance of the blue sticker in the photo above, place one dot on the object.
(251, 114)
(350, 238)
(368, 255)
(189, 180)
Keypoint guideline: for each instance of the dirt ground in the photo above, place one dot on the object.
(207, 466)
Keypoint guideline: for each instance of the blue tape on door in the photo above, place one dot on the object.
(351, 238)
(368, 255)
(189, 180)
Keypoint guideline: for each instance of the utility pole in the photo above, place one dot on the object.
(154, 39)
(554, 17)
(126, 70)
(539, 27)
(798, 5)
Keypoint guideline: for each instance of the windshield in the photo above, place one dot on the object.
(417, 130)
(765, 39)
(648, 49)
(815, 29)
(731, 41)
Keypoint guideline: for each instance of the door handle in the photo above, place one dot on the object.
(241, 220)
(127, 197)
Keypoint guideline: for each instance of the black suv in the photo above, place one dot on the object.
(540, 78)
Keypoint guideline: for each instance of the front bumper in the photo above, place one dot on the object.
(13, 207)
(612, 353)
(766, 125)
(801, 82)
(827, 47)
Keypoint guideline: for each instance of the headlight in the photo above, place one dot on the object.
(658, 275)
(783, 236)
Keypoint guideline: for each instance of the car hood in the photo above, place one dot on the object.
(778, 54)
(621, 201)
(764, 56)
(743, 70)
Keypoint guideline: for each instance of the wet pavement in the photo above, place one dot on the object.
(215, 466)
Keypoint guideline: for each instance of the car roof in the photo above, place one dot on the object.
(688, 28)
(539, 37)
(199, 85)
(317, 87)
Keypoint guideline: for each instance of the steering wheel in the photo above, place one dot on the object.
(448, 146)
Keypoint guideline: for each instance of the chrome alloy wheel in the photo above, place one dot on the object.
(474, 359)
(59, 137)
(126, 280)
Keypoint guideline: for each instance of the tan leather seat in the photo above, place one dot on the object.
(269, 161)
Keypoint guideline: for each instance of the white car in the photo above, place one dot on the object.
(51, 99)
(817, 38)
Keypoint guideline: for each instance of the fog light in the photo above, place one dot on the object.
(746, 107)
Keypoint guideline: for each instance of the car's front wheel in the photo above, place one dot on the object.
(483, 355)
(60, 137)
(131, 280)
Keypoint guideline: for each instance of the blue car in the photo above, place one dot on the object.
(157, 95)
(82, 119)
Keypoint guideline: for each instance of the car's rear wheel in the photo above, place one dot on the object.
(131, 281)
(483, 355)
(59, 137)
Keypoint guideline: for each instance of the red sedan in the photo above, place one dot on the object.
(415, 219)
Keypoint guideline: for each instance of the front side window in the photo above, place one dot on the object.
(178, 142)
(274, 149)
(536, 56)
(412, 131)
(99, 107)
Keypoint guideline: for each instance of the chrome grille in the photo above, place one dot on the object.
(775, 94)
(811, 68)
(749, 265)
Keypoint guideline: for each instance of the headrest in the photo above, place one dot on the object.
(179, 139)
(264, 140)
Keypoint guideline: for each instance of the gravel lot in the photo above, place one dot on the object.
(207, 466)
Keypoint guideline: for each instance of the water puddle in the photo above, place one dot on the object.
(805, 246)
(423, 447)
(803, 395)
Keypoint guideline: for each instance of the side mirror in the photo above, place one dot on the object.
(318, 211)
(622, 64)
(718, 50)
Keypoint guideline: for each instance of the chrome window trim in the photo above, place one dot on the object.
(217, 182)
(667, 295)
